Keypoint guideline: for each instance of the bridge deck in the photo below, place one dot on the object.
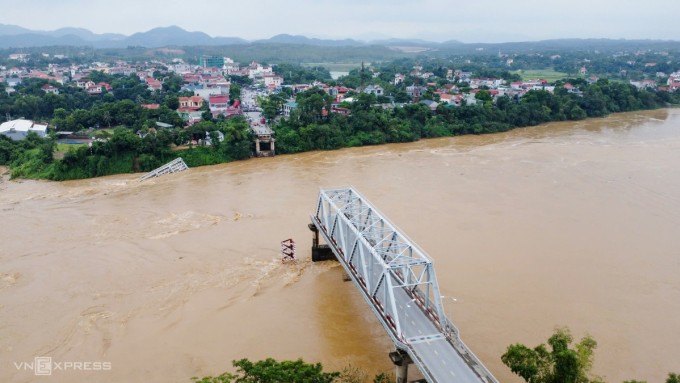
(410, 314)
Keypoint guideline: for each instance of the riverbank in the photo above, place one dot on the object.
(308, 129)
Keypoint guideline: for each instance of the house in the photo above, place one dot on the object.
(12, 81)
(153, 84)
(341, 111)
(191, 117)
(415, 91)
(297, 88)
(572, 89)
(470, 99)
(15, 71)
(180, 68)
(84, 83)
(431, 104)
(19, 129)
(374, 89)
(191, 103)
(205, 93)
(463, 76)
(47, 88)
(258, 70)
(45, 76)
(22, 57)
(399, 78)
(98, 88)
(288, 107)
(192, 78)
(218, 104)
(488, 82)
(208, 139)
(644, 84)
(447, 98)
(272, 80)
(151, 106)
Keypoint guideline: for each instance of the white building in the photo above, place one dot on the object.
(256, 69)
(374, 89)
(272, 80)
(19, 129)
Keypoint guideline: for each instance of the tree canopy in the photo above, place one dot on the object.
(559, 364)
(289, 371)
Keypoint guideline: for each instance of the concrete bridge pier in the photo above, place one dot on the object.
(401, 361)
(320, 252)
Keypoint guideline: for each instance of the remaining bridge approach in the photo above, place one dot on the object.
(397, 280)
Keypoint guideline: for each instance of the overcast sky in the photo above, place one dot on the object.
(436, 20)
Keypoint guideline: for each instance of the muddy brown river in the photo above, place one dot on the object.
(565, 224)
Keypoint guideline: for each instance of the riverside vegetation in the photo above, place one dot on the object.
(558, 364)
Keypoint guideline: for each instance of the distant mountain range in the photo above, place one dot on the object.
(13, 36)
(18, 37)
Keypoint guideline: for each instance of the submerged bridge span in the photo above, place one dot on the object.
(397, 280)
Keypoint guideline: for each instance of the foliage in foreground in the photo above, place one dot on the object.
(560, 364)
(287, 371)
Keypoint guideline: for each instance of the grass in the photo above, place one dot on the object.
(66, 147)
(547, 74)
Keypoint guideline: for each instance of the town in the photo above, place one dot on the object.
(192, 103)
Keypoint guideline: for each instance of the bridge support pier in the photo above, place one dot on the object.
(401, 360)
(320, 252)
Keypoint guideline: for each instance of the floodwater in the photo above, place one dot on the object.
(566, 224)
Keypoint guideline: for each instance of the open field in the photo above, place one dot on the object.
(336, 67)
(66, 147)
(547, 74)
(62, 149)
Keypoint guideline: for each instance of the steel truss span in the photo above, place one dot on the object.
(398, 281)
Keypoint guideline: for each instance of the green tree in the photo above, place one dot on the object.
(234, 92)
(272, 371)
(559, 365)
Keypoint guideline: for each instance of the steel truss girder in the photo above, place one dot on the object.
(380, 256)
(380, 259)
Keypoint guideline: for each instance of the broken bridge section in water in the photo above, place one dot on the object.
(397, 280)
(176, 165)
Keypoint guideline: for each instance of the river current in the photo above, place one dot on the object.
(567, 224)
